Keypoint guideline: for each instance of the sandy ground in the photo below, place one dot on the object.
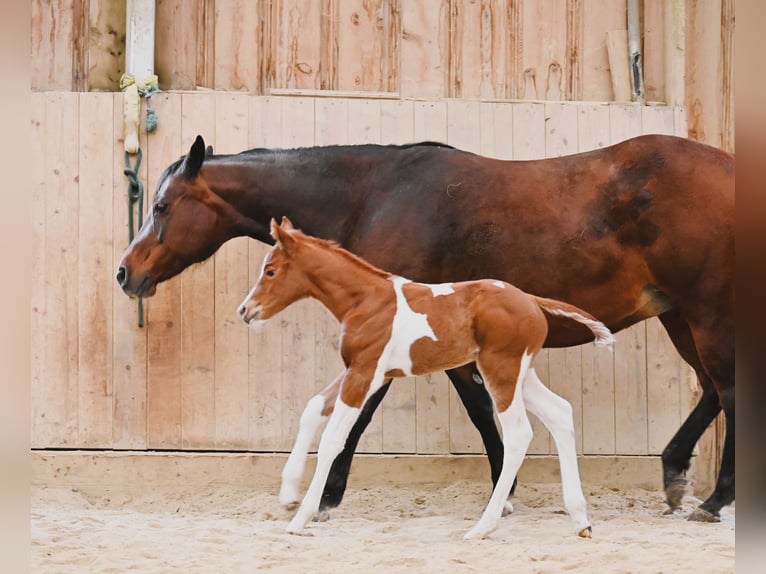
(390, 529)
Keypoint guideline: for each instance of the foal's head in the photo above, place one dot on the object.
(282, 281)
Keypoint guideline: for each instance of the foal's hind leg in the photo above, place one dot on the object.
(556, 414)
(316, 412)
(517, 433)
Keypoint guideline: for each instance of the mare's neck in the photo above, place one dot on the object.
(277, 184)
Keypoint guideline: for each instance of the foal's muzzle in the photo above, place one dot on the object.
(249, 313)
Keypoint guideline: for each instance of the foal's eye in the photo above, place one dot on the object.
(160, 207)
(271, 272)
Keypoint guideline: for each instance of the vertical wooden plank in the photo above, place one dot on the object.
(96, 273)
(675, 51)
(654, 50)
(397, 120)
(57, 420)
(598, 17)
(479, 49)
(565, 365)
(496, 127)
(331, 121)
(106, 45)
(52, 43)
(704, 96)
(597, 364)
(39, 387)
(424, 48)
(237, 49)
(265, 341)
(432, 391)
(164, 345)
(528, 131)
(619, 67)
(231, 285)
(362, 45)
(528, 142)
(298, 44)
(545, 57)
(129, 347)
(298, 333)
(398, 410)
(176, 43)
(198, 397)
(630, 346)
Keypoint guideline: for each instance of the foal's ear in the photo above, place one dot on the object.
(286, 225)
(194, 159)
(274, 229)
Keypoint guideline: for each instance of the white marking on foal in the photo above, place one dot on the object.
(292, 473)
(408, 326)
(517, 434)
(499, 284)
(604, 337)
(441, 289)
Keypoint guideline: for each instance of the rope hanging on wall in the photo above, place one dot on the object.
(135, 90)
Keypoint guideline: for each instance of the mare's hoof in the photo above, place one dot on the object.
(322, 516)
(586, 532)
(702, 515)
(675, 491)
(507, 508)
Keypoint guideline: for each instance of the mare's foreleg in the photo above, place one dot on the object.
(333, 438)
(341, 466)
(517, 434)
(556, 414)
(316, 412)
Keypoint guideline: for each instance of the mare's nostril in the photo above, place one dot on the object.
(122, 276)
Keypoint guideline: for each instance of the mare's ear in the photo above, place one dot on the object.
(286, 225)
(194, 159)
(209, 151)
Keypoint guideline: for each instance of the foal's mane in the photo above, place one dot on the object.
(328, 245)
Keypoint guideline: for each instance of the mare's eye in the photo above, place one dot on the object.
(160, 207)
(271, 272)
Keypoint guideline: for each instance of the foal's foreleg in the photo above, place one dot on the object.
(556, 414)
(331, 443)
(317, 411)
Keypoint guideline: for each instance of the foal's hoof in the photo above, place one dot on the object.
(479, 531)
(674, 492)
(508, 508)
(586, 532)
(291, 505)
(702, 515)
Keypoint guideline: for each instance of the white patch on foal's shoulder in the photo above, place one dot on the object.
(499, 284)
(408, 326)
(441, 289)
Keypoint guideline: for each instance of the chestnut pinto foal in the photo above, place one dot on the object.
(391, 327)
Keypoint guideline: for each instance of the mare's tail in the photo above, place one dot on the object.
(603, 336)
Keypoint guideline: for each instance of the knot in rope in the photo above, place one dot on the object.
(146, 88)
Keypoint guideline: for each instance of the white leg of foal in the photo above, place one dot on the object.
(311, 420)
(517, 434)
(332, 442)
(556, 414)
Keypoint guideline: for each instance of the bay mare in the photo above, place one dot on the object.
(639, 229)
(391, 327)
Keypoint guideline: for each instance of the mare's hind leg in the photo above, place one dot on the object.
(341, 466)
(676, 458)
(556, 414)
(316, 412)
(474, 396)
(517, 431)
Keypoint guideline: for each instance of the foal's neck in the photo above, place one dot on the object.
(340, 280)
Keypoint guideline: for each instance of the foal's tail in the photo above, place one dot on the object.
(603, 336)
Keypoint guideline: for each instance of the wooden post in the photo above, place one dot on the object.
(139, 45)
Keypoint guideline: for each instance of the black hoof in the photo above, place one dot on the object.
(675, 491)
(702, 515)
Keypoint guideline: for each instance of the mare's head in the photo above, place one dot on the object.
(282, 281)
(186, 224)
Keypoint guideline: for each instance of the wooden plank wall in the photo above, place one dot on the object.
(194, 377)
(489, 49)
